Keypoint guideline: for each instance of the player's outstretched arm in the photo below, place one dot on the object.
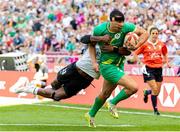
(86, 39)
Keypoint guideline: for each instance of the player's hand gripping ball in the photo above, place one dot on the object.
(130, 41)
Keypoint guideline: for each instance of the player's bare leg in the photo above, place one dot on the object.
(155, 87)
(130, 87)
(47, 92)
(99, 102)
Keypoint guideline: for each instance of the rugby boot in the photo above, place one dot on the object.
(156, 112)
(91, 121)
(112, 109)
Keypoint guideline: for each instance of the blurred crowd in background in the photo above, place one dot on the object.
(41, 26)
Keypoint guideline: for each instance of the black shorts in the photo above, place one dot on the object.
(153, 74)
(72, 81)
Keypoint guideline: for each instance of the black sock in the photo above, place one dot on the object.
(154, 102)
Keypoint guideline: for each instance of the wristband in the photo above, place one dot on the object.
(115, 49)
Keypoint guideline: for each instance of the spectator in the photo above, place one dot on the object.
(171, 47)
(36, 26)
(18, 42)
(55, 43)
(73, 23)
(47, 43)
(38, 42)
(70, 46)
(103, 17)
(35, 19)
(176, 60)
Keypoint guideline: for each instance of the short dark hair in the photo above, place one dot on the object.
(153, 28)
(118, 15)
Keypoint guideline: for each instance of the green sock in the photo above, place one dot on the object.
(97, 105)
(121, 96)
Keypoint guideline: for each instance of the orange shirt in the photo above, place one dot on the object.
(103, 18)
(152, 54)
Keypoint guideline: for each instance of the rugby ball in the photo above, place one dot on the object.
(131, 40)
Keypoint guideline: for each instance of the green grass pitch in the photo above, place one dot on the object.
(54, 116)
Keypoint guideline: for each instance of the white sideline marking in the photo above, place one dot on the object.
(100, 125)
(126, 112)
(8, 101)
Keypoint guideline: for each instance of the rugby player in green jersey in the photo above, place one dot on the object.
(111, 65)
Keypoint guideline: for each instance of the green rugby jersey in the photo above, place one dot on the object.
(117, 40)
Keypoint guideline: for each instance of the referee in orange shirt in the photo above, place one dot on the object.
(154, 54)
